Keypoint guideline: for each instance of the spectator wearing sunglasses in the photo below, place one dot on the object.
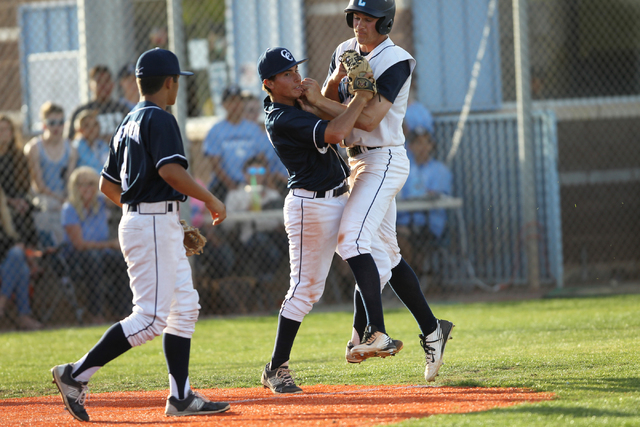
(51, 161)
(261, 242)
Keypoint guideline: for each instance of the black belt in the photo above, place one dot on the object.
(332, 193)
(359, 149)
(134, 207)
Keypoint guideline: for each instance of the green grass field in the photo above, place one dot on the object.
(586, 350)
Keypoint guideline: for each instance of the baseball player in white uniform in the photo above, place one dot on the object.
(379, 168)
(146, 174)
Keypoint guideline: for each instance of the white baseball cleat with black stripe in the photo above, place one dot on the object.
(433, 346)
(355, 357)
(374, 344)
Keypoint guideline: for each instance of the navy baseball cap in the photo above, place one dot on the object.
(159, 62)
(275, 60)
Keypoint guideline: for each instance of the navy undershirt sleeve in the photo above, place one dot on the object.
(392, 80)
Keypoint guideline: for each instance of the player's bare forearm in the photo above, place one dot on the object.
(340, 127)
(371, 115)
(180, 180)
(111, 190)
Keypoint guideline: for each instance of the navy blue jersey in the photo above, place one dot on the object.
(389, 83)
(298, 139)
(147, 139)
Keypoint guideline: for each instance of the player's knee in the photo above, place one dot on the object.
(182, 324)
(296, 309)
(140, 328)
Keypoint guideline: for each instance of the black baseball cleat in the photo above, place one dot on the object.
(193, 404)
(74, 393)
(279, 380)
(433, 346)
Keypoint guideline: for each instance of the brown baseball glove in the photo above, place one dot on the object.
(193, 240)
(357, 68)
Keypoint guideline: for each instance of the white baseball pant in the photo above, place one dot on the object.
(312, 228)
(164, 298)
(370, 214)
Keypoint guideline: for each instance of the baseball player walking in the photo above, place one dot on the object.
(318, 193)
(146, 175)
(379, 168)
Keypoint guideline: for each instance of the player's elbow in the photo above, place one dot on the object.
(367, 124)
(335, 137)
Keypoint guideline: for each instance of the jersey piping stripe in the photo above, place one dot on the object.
(384, 176)
(168, 158)
(383, 49)
(143, 108)
(343, 165)
(315, 142)
(155, 305)
(110, 177)
(299, 263)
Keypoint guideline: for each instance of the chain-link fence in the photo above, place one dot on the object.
(557, 206)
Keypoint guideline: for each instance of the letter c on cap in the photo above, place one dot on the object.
(286, 54)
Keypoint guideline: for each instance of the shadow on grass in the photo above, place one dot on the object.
(609, 385)
(545, 410)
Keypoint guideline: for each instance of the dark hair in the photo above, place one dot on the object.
(257, 159)
(264, 86)
(151, 85)
(50, 108)
(18, 160)
(99, 69)
(13, 147)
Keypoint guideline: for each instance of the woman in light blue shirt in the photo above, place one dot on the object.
(93, 258)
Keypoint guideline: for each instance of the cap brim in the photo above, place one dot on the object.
(186, 73)
(289, 66)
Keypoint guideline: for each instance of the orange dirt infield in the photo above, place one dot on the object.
(318, 405)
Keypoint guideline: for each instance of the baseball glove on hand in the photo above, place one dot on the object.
(357, 68)
(193, 240)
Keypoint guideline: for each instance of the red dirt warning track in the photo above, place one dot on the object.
(319, 405)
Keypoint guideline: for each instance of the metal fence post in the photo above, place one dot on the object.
(525, 139)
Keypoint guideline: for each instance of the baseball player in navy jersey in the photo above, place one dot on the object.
(146, 175)
(318, 192)
(379, 168)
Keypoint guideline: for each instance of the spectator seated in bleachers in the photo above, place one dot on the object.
(51, 160)
(15, 181)
(262, 243)
(128, 86)
(110, 111)
(93, 258)
(230, 142)
(14, 270)
(420, 232)
(92, 151)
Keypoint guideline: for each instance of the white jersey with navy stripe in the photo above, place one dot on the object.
(389, 132)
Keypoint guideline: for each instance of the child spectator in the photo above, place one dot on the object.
(261, 242)
(92, 151)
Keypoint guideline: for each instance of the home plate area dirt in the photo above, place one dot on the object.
(319, 405)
